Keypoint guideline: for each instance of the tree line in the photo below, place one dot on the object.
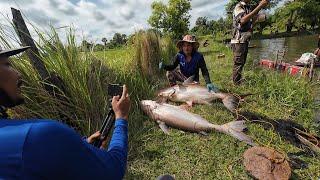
(173, 19)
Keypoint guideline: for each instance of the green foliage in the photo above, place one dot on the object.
(148, 53)
(168, 49)
(83, 76)
(204, 26)
(171, 19)
(217, 156)
(151, 153)
(298, 12)
(104, 40)
(117, 40)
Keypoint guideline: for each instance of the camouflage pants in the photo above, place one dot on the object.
(240, 52)
(174, 76)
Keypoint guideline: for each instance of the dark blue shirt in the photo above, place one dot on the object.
(190, 68)
(46, 149)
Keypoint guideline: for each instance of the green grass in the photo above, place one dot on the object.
(218, 156)
(151, 152)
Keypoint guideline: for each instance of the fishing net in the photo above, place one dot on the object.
(266, 163)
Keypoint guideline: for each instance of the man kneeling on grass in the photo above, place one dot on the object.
(190, 61)
(47, 149)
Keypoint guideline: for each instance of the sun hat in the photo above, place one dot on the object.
(190, 39)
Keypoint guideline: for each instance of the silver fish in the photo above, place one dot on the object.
(194, 93)
(174, 116)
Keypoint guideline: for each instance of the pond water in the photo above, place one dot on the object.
(294, 47)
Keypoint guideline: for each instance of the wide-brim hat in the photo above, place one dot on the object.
(190, 39)
(11, 52)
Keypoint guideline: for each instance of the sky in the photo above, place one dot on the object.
(94, 19)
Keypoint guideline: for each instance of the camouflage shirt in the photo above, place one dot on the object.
(241, 33)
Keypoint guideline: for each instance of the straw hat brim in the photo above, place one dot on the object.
(194, 43)
(11, 52)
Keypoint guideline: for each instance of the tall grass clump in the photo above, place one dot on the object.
(168, 49)
(148, 53)
(80, 100)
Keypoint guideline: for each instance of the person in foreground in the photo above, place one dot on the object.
(47, 149)
(190, 61)
(243, 21)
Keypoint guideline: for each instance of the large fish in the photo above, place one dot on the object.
(174, 116)
(194, 93)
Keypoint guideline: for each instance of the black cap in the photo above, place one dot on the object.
(11, 52)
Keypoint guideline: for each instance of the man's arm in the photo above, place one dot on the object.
(54, 151)
(173, 66)
(204, 70)
(252, 14)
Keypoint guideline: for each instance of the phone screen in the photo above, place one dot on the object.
(115, 90)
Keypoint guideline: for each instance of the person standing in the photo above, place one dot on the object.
(243, 21)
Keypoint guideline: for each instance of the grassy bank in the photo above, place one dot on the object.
(217, 156)
(151, 152)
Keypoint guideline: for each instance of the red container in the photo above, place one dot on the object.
(287, 66)
(294, 70)
(267, 63)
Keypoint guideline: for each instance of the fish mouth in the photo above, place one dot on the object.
(147, 107)
(147, 104)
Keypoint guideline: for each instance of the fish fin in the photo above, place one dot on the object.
(172, 93)
(203, 133)
(182, 87)
(185, 107)
(204, 102)
(163, 127)
(161, 99)
(189, 80)
(190, 103)
(235, 129)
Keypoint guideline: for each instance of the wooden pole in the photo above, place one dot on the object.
(311, 69)
(26, 40)
(33, 54)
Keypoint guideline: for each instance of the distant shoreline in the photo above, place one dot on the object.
(285, 34)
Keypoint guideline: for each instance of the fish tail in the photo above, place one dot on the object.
(235, 129)
(231, 102)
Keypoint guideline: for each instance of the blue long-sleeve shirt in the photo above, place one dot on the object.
(190, 68)
(46, 149)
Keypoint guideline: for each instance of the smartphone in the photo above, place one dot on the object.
(115, 90)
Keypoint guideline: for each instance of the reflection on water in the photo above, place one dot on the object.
(293, 46)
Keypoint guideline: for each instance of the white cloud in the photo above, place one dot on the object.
(101, 18)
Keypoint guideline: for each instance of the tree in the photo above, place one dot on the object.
(86, 45)
(104, 40)
(117, 40)
(204, 26)
(201, 21)
(124, 39)
(172, 19)
(297, 13)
